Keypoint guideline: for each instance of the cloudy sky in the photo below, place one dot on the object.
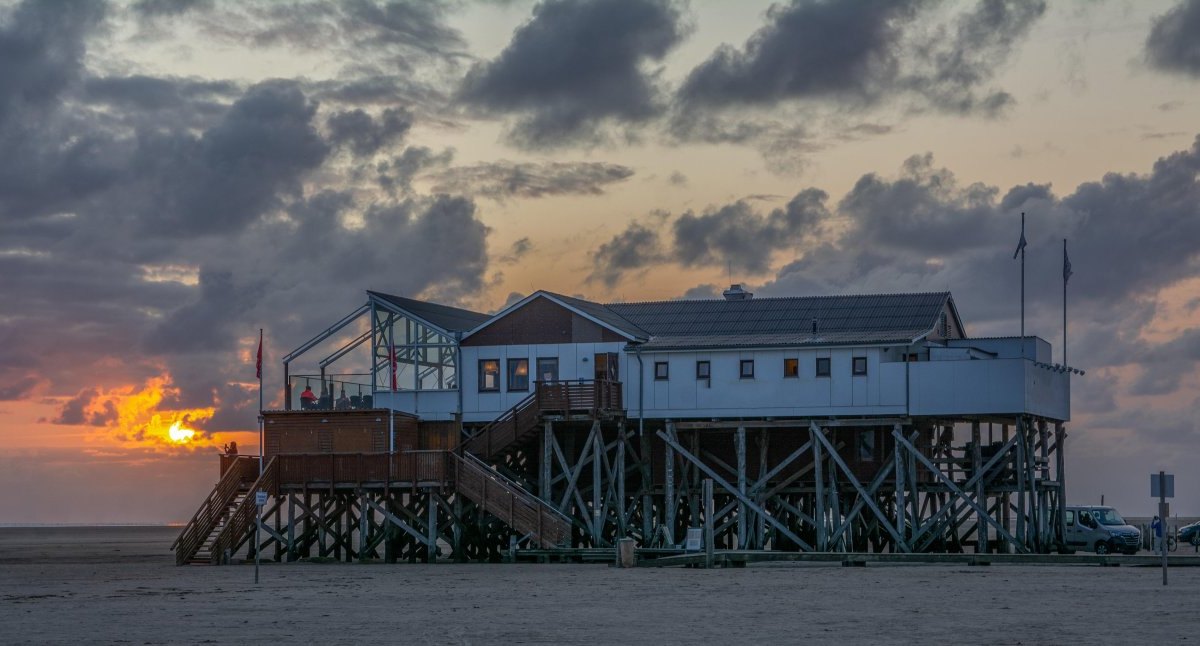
(176, 174)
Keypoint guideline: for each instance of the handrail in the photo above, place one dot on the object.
(513, 484)
(591, 395)
(212, 509)
(517, 508)
(241, 517)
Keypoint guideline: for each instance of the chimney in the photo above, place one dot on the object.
(736, 293)
(814, 322)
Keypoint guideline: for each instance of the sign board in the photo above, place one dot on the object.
(695, 536)
(260, 498)
(1165, 489)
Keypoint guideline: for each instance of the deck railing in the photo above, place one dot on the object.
(341, 469)
(240, 520)
(237, 472)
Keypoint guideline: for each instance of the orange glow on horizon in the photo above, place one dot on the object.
(138, 418)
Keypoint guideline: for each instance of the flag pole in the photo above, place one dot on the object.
(261, 446)
(1066, 277)
(1022, 284)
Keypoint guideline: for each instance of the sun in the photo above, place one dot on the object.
(179, 434)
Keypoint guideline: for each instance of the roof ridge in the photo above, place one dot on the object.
(773, 298)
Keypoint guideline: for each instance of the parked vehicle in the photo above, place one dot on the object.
(1190, 533)
(1093, 528)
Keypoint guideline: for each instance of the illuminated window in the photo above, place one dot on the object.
(791, 367)
(823, 367)
(518, 374)
(661, 370)
(489, 374)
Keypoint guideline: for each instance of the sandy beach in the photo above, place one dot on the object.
(120, 585)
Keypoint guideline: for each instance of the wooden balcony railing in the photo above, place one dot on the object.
(240, 520)
(343, 469)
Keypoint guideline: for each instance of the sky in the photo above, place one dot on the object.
(177, 174)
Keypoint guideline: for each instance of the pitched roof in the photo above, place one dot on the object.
(604, 313)
(881, 318)
(450, 319)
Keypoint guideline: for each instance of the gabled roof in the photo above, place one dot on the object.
(882, 318)
(595, 312)
(449, 319)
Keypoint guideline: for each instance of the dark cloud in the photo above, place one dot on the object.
(1173, 44)
(365, 135)
(396, 175)
(634, 248)
(737, 235)
(516, 252)
(576, 67)
(168, 8)
(861, 52)
(140, 92)
(503, 179)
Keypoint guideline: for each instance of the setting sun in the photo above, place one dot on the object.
(179, 434)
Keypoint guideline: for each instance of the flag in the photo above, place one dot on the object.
(258, 363)
(1020, 245)
(392, 360)
(1066, 264)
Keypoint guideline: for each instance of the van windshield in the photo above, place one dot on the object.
(1108, 517)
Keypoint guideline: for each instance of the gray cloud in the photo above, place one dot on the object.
(504, 179)
(858, 53)
(396, 175)
(634, 248)
(365, 135)
(738, 235)
(1173, 44)
(577, 66)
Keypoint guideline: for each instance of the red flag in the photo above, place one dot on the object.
(258, 364)
(392, 358)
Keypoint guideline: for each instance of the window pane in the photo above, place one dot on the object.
(489, 374)
(518, 374)
(703, 370)
(823, 366)
(548, 369)
(791, 367)
(747, 368)
(660, 370)
(860, 365)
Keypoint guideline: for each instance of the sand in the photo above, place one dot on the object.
(103, 585)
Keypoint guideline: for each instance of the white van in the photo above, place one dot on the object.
(1093, 528)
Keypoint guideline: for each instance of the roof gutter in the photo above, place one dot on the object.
(637, 352)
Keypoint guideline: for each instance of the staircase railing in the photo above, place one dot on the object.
(245, 514)
(243, 469)
(506, 500)
(583, 396)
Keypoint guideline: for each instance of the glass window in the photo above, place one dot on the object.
(866, 446)
(660, 370)
(791, 367)
(823, 366)
(489, 374)
(747, 371)
(547, 369)
(860, 365)
(703, 370)
(606, 366)
(518, 374)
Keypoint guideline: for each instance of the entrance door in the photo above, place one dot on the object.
(607, 367)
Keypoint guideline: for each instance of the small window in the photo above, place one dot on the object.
(860, 365)
(489, 374)
(547, 369)
(791, 367)
(518, 374)
(747, 370)
(661, 371)
(703, 370)
(866, 446)
(823, 367)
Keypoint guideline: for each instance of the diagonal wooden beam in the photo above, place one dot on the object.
(819, 433)
(733, 490)
(983, 472)
(395, 520)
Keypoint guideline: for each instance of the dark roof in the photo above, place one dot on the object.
(879, 318)
(604, 314)
(450, 319)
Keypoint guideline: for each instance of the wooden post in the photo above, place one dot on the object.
(669, 488)
(1060, 520)
(597, 499)
(431, 528)
(819, 493)
(363, 524)
(291, 535)
(981, 529)
(619, 470)
(708, 523)
(743, 524)
(898, 467)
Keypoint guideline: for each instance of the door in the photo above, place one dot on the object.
(607, 368)
(547, 369)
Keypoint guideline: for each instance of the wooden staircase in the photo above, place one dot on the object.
(560, 398)
(228, 494)
(236, 529)
(506, 500)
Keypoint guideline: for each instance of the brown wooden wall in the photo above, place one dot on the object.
(354, 431)
(542, 321)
